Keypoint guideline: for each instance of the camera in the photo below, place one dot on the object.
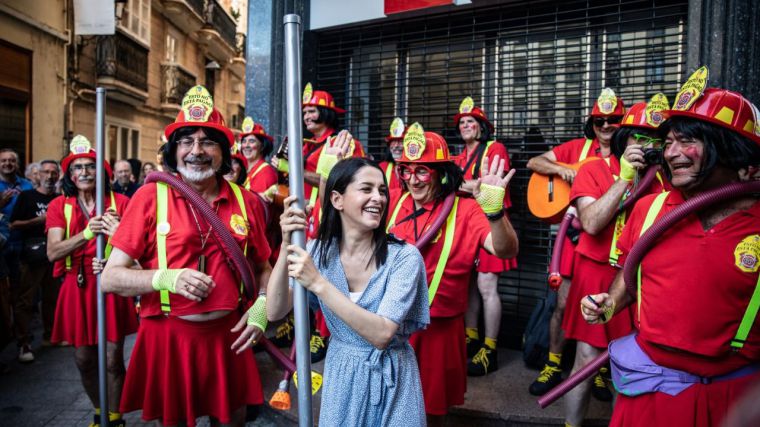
(652, 156)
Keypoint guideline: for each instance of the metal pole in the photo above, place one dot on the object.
(292, 24)
(100, 114)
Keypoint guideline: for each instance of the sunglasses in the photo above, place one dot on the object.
(646, 139)
(421, 172)
(610, 120)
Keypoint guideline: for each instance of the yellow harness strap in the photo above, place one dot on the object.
(584, 151)
(67, 213)
(448, 241)
(652, 213)
(389, 172)
(247, 183)
(241, 203)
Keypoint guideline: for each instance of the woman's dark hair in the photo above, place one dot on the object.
(485, 131)
(451, 178)
(328, 117)
(330, 226)
(70, 189)
(722, 146)
(243, 173)
(169, 150)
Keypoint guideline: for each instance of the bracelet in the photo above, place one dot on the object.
(87, 233)
(495, 216)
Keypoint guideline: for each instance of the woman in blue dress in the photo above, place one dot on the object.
(372, 290)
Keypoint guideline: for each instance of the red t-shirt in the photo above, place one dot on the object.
(470, 233)
(570, 151)
(56, 219)
(695, 288)
(393, 181)
(260, 177)
(495, 149)
(312, 151)
(136, 236)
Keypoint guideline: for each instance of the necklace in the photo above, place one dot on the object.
(204, 239)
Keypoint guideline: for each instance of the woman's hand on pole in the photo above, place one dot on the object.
(292, 219)
(301, 267)
(98, 265)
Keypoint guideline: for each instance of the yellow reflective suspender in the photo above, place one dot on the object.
(448, 242)
(247, 183)
(652, 213)
(584, 151)
(67, 213)
(241, 203)
(389, 173)
(488, 145)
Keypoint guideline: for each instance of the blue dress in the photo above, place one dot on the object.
(365, 386)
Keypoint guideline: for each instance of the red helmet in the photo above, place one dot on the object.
(721, 107)
(397, 130)
(255, 129)
(608, 104)
(198, 110)
(319, 98)
(81, 148)
(466, 108)
(646, 114)
(424, 147)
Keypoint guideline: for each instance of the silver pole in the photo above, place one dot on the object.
(100, 114)
(292, 24)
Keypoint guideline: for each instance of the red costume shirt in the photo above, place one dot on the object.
(495, 149)
(56, 219)
(470, 234)
(136, 236)
(260, 177)
(390, 175)
(696, 285)
(570, 151)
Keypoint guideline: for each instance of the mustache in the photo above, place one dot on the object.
(202, 158)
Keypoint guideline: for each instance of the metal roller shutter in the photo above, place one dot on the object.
(536, 67)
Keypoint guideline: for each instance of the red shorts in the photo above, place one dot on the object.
(488, 263)
(593, 277)
(568, 259)
(180, 370)
(701, 405)
(76, 314)
(442, 358)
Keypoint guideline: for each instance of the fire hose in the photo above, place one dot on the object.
(571, 219)
(640, 248)
(428, 235)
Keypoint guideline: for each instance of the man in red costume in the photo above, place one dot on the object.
(188, 360)
(696, 322)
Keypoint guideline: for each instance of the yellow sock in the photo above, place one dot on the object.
(472, 333)
(555, 357)
(113, 416)
(97, 411)
(490, 343)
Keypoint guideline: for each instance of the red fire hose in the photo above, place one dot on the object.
(428, 235)
(640, 248)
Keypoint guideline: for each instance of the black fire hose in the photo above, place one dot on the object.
(640, 248)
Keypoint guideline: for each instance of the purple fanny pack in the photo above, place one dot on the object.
(634, 373)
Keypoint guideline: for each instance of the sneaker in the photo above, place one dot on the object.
(318, 347)
(483, 362)
(284, 334)
(549, 377)
(473, 345)
(599, 388)
(25, 354)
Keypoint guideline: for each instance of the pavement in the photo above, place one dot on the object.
(48, 392)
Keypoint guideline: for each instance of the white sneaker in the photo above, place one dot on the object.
(25, 354)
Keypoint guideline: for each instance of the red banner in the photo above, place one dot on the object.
(398, 6)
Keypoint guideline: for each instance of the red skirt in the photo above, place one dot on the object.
(320, 324)
(592, 277)
(488, 263)
(76, 314)
(568, 259)
(442, 359)
(180, 370)
(701, 405)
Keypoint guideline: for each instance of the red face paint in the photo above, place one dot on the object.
(692, 153)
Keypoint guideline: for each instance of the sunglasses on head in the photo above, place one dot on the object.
(421, 172)
(610, 120)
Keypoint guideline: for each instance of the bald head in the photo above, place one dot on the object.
(122, 170)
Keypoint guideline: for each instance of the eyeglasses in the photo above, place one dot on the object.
(610, 120)
(90, 167)
(422, 172)
(188, 143)
(646, 140)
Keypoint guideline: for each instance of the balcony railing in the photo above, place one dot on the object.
(217, 19)
(120, 58)
(175, 83)
(240, 45)
(197, 5)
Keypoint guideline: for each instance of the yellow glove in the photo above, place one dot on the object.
(282, 166)
(627, 171)
(491, 198)
(326, 163)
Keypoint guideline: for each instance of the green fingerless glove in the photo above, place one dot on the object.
(491, 198)
(627, 171)
(257, 314)
(326, 163)
(282, 166)
(166, 279)
(87, 233)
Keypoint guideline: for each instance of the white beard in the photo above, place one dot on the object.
(195, 176)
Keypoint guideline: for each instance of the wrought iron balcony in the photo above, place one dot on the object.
(122, 65)
(175, 82)
(218, 32)
(186, 14)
